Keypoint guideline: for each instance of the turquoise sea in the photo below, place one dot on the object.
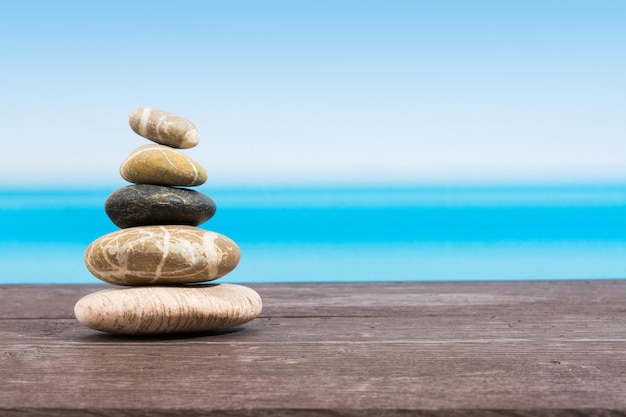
(394, 233)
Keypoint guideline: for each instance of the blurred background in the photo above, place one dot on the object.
(344, 140)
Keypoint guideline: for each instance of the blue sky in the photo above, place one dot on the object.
(319, 91)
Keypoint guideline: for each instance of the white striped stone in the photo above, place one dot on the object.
(164, 128)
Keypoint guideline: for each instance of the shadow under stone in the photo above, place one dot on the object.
(103, 337)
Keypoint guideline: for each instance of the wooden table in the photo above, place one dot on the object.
(428, 349)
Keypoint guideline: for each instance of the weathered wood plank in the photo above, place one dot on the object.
(429, 329)
(333, 375)
(360, 299)
(436, 349)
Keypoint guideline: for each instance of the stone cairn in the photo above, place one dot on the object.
(160, 252)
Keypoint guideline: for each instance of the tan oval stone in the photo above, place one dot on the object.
(162, 165)
(157, 310)
(163, 127)
(157, 255)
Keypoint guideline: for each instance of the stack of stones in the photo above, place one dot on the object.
(160, 252)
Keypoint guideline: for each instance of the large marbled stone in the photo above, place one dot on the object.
(146, 204)
(161, 165)
(156, 255)
(176, 309)
(163, 127)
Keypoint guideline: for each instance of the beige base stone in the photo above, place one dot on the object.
(158, 310)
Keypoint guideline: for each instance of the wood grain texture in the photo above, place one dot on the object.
(430, 349)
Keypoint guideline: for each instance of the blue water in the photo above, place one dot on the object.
(350, 234)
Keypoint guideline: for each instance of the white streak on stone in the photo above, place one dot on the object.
(165, 250)
(159, 123)
(136, 152)
(169, 161)
(195, 170)
(143, 121)
(190, 139)
(113, 250)
(209, 246)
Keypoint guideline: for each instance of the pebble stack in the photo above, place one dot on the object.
(160, 253)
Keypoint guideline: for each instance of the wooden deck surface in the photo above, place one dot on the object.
(428, 349)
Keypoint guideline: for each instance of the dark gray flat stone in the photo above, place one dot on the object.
(147, 205)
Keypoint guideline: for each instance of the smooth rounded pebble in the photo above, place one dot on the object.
(161, 165)
(158, 310)
(163, 127)
(156, 255)
(146, 204)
